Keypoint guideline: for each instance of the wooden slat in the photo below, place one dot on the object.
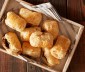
(1, 3)
(60, 6)
(3, 8)
(83, 9)
(84, 2)
(11, 64)
(74, 10)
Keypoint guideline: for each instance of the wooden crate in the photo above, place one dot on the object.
(78, 29)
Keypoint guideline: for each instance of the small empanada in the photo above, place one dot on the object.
(31, 51)
(15, 22)
(11, 43)
(40, 39)
(52, 61)
(34, 18)
(25, 34)
(59, 50)
(51, 26)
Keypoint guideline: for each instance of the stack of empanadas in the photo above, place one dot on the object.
(35, 37)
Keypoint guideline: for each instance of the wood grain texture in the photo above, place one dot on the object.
(71, 9)
(11, 64)
(1, 3)
(74, 10)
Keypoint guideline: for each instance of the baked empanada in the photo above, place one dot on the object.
(15, 22)
(40, 39)
(11, 43)
(47, 40)
(51, 26)
(31, 51)
(25, 34)
(31, 17)
(52, 61)
(59, 50)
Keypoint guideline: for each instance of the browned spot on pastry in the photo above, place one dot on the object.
(19, 52)
(5, 43)
(28, 25)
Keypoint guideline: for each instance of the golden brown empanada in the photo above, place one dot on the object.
(31, 51)
(47, 40)
(15, 22)
(25, 34)
(51, 26)
(40, 39)
(52, 61)
(11, 43)
(59, 50)
(35, 39)
(31, 17)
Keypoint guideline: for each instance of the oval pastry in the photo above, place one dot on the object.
(40, 39)
(15, 22)
(31, 51)
(51, 26)
(34, 18)
(11, 43)
(35, 39)
(52, 61)
(25, 34)
(59, 50)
